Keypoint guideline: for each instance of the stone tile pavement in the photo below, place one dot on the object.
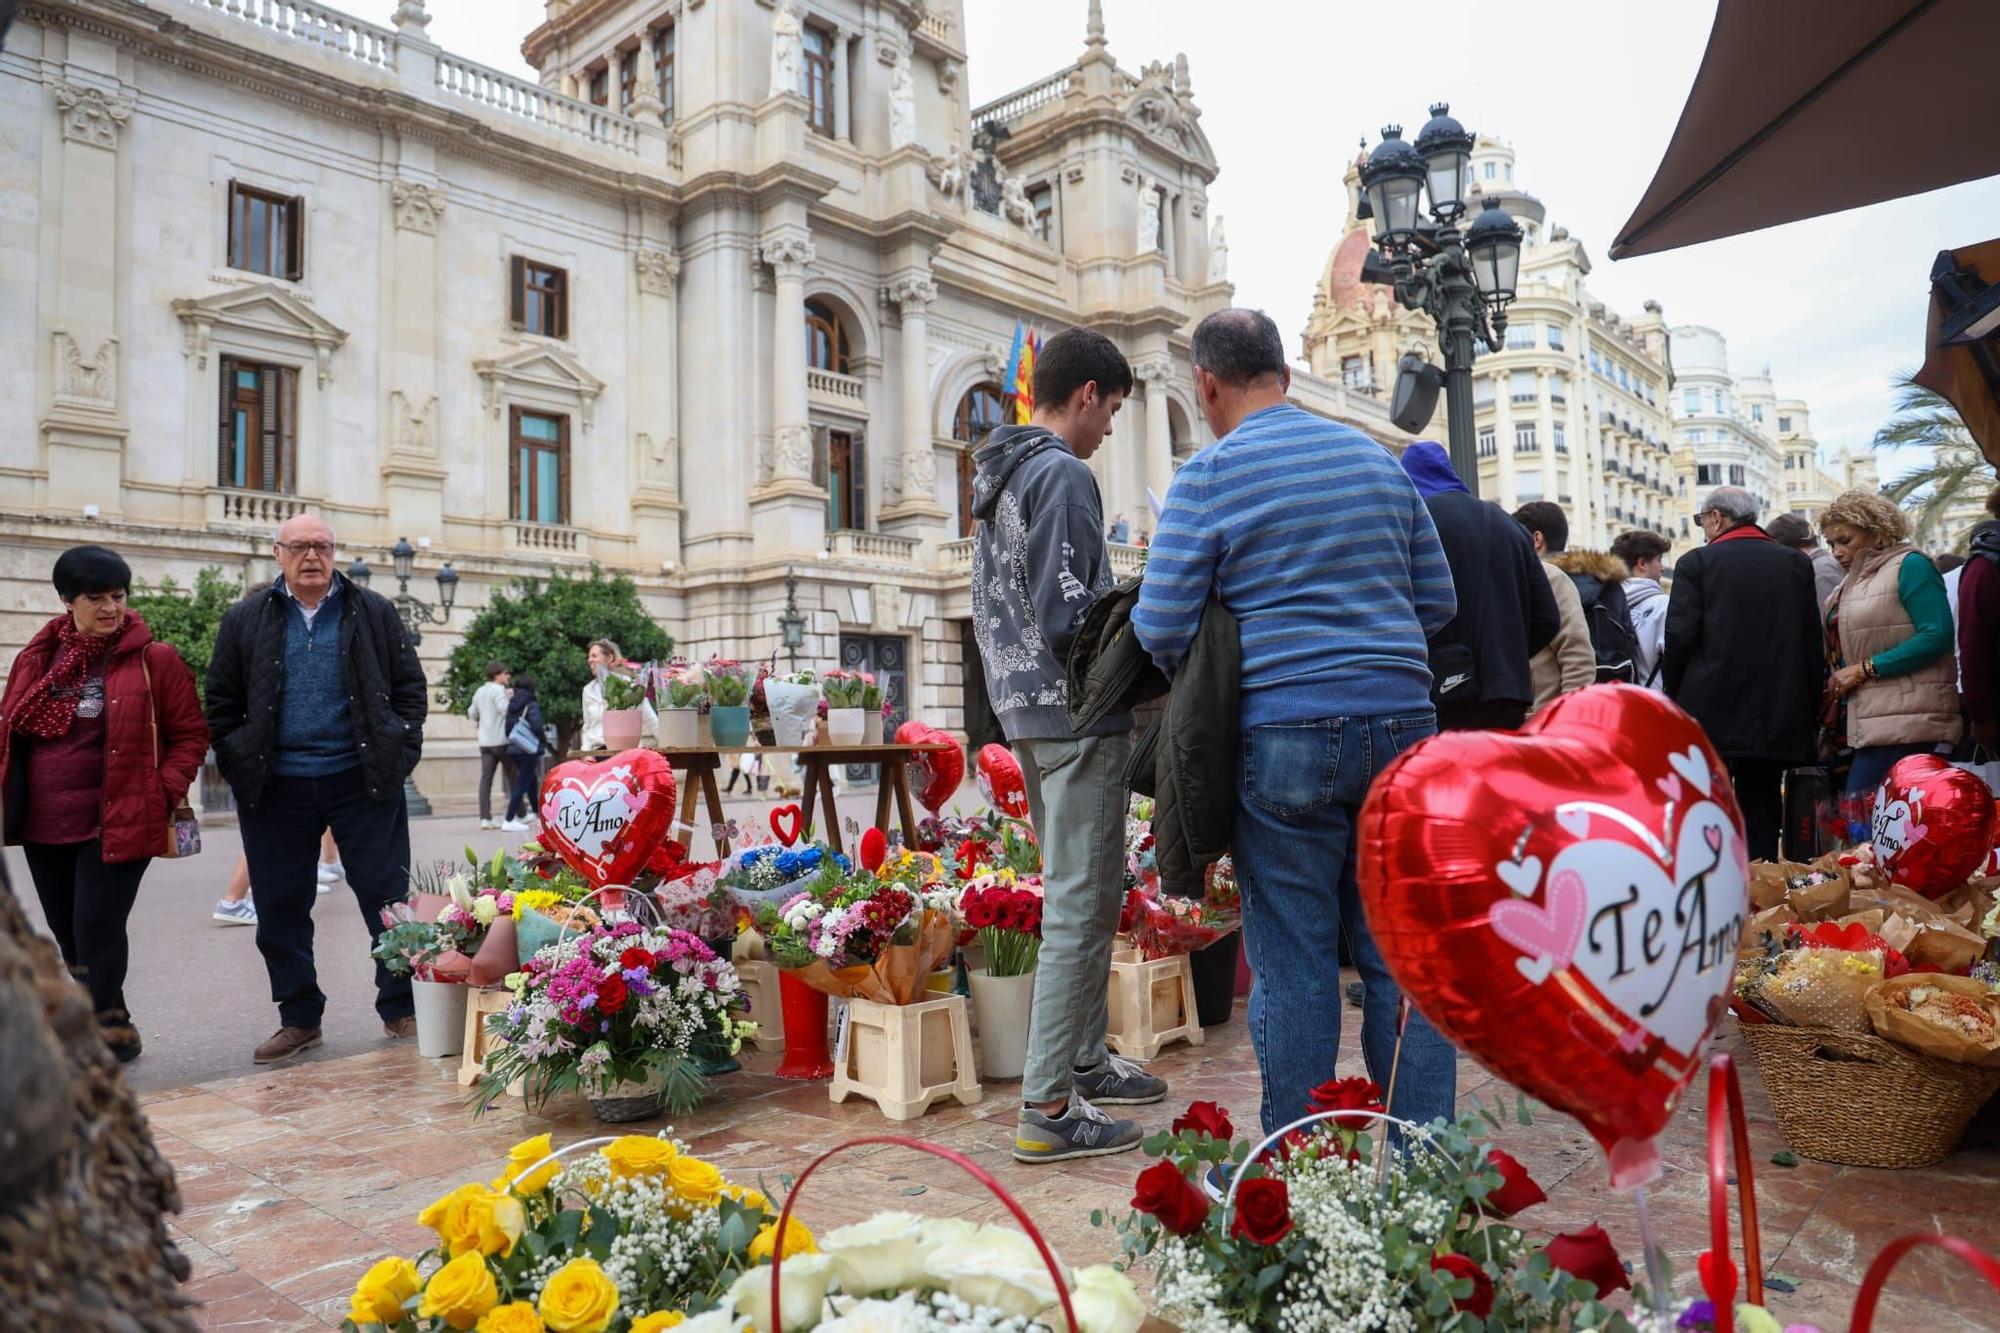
(295, 1180)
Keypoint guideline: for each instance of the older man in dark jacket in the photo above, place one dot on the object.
(1506, 611)
(316, 703)
(1744, 655)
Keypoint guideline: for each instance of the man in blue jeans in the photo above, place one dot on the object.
(1318, 544)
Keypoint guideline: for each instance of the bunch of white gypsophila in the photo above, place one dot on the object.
(922, 1312)
(1341, 1206)
(1186, 1290)
(650, 1231)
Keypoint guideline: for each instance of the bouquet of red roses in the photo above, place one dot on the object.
(1006, 917)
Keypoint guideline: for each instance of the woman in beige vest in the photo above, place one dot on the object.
(1891, 623)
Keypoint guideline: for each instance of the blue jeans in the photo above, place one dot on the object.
(1299, 790)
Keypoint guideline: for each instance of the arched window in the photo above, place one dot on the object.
(978, 412)
(826, 339)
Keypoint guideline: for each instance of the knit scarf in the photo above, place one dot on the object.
(48, 709)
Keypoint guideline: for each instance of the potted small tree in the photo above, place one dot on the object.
(682, 693)
(845, 722)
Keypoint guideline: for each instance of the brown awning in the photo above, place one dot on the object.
(1804, 107)
(1968, 374)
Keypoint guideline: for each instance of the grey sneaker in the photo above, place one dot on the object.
(1118, 1082)
(1080, 1131)
(242, 913)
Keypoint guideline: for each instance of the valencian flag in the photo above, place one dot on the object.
(1020, 382)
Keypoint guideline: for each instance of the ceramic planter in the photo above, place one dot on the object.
(871, 727)
(680, 728)
(623, 727)
(1000, 1006)
(730, 725)
(440, 1017)
(846, 726)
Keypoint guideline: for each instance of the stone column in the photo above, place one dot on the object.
(911, 294)
(85, 426)
(788, 512)
(843, 91)
(1154, 372)
(1503, 442)
(654, 377)
(413, 476)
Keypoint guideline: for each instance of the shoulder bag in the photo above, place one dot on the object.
(183, 825)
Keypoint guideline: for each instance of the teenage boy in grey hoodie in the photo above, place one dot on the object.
(1039, 560)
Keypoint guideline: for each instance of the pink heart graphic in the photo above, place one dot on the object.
(1670, 785)
(1917, 832)
(1551, 931)
(1712, 835)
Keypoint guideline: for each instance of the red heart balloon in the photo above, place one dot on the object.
(787, 815)
(607, 817)
(1565, 904)
(1933, 824)
(935, 774)
(1000, 779)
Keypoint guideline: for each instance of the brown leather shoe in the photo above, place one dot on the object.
(286, 1043)
(398, 1028)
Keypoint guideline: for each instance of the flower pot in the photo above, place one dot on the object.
(794, 709)
(1000, 1006)
(806, 1054)
(1214, 971)
(623, 727)
(871, 728)
(616, 1101)
(707, 736)
(846, 726)
(730, 725)
(680, 728)
(440, 1017)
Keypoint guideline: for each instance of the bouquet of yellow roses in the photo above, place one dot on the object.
(632, 1238)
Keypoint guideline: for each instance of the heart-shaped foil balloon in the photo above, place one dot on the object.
(607, 817)
(1001, 782)
(935, 775)
(1565, 903)
(1933, 824)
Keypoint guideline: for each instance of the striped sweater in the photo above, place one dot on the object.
(1318, 544)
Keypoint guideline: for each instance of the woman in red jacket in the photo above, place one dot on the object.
(101, 733)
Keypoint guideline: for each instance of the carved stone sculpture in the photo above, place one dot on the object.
(786, 49)
(1149, 217)
(902, 103)
(1218, 252)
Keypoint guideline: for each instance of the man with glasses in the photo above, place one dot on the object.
(316, 703)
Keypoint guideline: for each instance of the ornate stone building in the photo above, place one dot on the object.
(727, 294)
(1573, 408)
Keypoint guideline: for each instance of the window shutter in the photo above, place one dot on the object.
(562, 307)
(514, 505)
(517, 284)
(857, 469)
(235, 226)
(287, 478)
(225, 442)
(562, 470)
(295, 256)
(263, 476)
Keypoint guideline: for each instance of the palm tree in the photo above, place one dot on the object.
(1951, 479)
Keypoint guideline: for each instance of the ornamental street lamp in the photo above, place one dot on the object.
(1463, 281)
(792, 625)
(414, 611)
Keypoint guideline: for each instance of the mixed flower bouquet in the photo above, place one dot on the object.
(728, 682)
(845, 689)
(1005, 915)
(408, 945)
(615, 1005)
(857, 936)
(1142, 862)
(1321, 1237)
(759, 872)
(635, 1237)
(698, 905)
(988, 840)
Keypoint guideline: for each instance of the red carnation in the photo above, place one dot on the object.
(1347, 1094)
(635, 957)
(1163, 1192)
(1452, 1267)
(1207, 1118)
(1263, 1211)
(1588, 1254)
(1518, 1190)
(611, 995)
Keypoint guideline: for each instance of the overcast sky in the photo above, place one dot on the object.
(1587, 91)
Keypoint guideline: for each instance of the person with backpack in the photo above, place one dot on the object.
(1644, 553)
(1600, 589)
(1568, 662)
(526, 741)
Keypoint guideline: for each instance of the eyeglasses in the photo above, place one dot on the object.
(324, 550)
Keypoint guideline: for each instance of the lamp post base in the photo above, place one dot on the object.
(414, 799)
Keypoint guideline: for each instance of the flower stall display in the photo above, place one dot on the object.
(844, 692)
(793, 701)
(632, 1238)
(770, 875)
(1320, 1235)
(1004, 915)
(729, 695)
(682, 692)
(855, 936)
(621, 1014)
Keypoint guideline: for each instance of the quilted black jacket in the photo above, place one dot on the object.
(385, 690)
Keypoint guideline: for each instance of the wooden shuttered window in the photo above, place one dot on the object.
(537, 297)
(538, 472)
(267, 232)
(257, 429)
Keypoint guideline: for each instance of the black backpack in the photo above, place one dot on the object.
(1612, 638)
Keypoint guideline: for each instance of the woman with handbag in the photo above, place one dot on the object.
(525, 742)
(101, 734)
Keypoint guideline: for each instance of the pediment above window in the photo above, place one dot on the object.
(262, 316)
(542, 373)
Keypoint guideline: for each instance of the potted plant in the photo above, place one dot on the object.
(793, 700)
(682, 692)
(729, 702)
(875, 710)
(844, 690)
(1005, 915)
(409, 946)
(624, 711)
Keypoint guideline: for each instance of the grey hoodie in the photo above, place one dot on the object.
(1039, 560)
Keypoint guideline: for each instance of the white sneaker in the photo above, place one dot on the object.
(325, 887)
(330, 871)
(513, 826)
(485, 824)
(243, 913)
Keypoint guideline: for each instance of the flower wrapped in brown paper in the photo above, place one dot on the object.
(1817, 988)
(900, 974)
(1814, 891)
(1951, 1018)
(1934, 936)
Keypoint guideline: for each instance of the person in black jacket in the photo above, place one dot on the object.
(316, 703)
(527, 763)
(1506, 612)
(1745, 656)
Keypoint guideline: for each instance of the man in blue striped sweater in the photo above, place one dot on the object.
(1315, 540)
